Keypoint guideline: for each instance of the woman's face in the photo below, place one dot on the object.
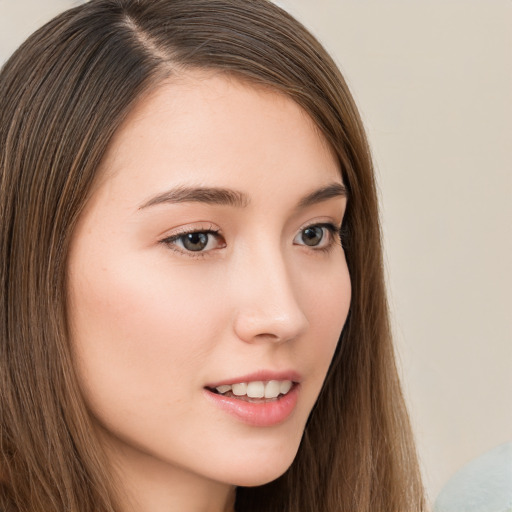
(207, 258)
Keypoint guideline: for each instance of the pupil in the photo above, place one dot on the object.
(312, 236)
(195, 241)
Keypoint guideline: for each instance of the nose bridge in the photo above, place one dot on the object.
(267, 304)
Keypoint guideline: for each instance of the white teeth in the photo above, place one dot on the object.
(223, 389)
(257, 389)
(285, 386)
(272, 389)
(240, 389)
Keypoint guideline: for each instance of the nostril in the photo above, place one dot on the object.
(270, 336)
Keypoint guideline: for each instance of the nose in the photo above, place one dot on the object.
(266, 304)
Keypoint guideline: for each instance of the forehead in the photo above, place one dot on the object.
(195, 100)
(213, 129)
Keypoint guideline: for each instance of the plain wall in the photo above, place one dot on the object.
(433, 81)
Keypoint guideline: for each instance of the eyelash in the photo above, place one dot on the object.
(334, 232)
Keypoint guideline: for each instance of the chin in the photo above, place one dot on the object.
(259, 477)
(260, 470)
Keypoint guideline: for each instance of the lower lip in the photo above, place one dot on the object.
(263, 414)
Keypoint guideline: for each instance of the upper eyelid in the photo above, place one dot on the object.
(324, 223)
(185, 230)
(215, 231)
(176, 236)
(191, 231)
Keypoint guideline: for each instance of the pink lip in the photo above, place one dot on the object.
(261, 375)
(262, 414)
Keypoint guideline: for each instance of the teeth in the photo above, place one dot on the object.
(240, 389)
(285, 386)
(257, 389)
(272, 389)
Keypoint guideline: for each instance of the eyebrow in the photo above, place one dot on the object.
(228, 197)
(208, 195)
(323, 194)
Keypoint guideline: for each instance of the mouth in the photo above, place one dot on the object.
(259, 403)
(255, 391)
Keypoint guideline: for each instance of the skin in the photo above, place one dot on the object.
(152, 323)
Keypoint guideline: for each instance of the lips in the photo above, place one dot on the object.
(260, 399)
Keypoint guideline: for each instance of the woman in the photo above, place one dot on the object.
(181, 327)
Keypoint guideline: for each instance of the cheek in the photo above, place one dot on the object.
(137, 328)
(325, 295)
(329, 304)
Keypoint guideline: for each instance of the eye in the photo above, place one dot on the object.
(195, 241)
(318, 236)
(312, 236)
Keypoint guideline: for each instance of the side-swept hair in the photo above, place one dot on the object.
(63, 95)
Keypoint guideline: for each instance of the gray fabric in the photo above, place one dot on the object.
(483, 485)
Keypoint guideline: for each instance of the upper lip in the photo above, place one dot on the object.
(260, 375)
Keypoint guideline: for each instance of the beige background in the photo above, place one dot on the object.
(433, 81)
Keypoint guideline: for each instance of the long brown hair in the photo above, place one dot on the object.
(63, 94)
